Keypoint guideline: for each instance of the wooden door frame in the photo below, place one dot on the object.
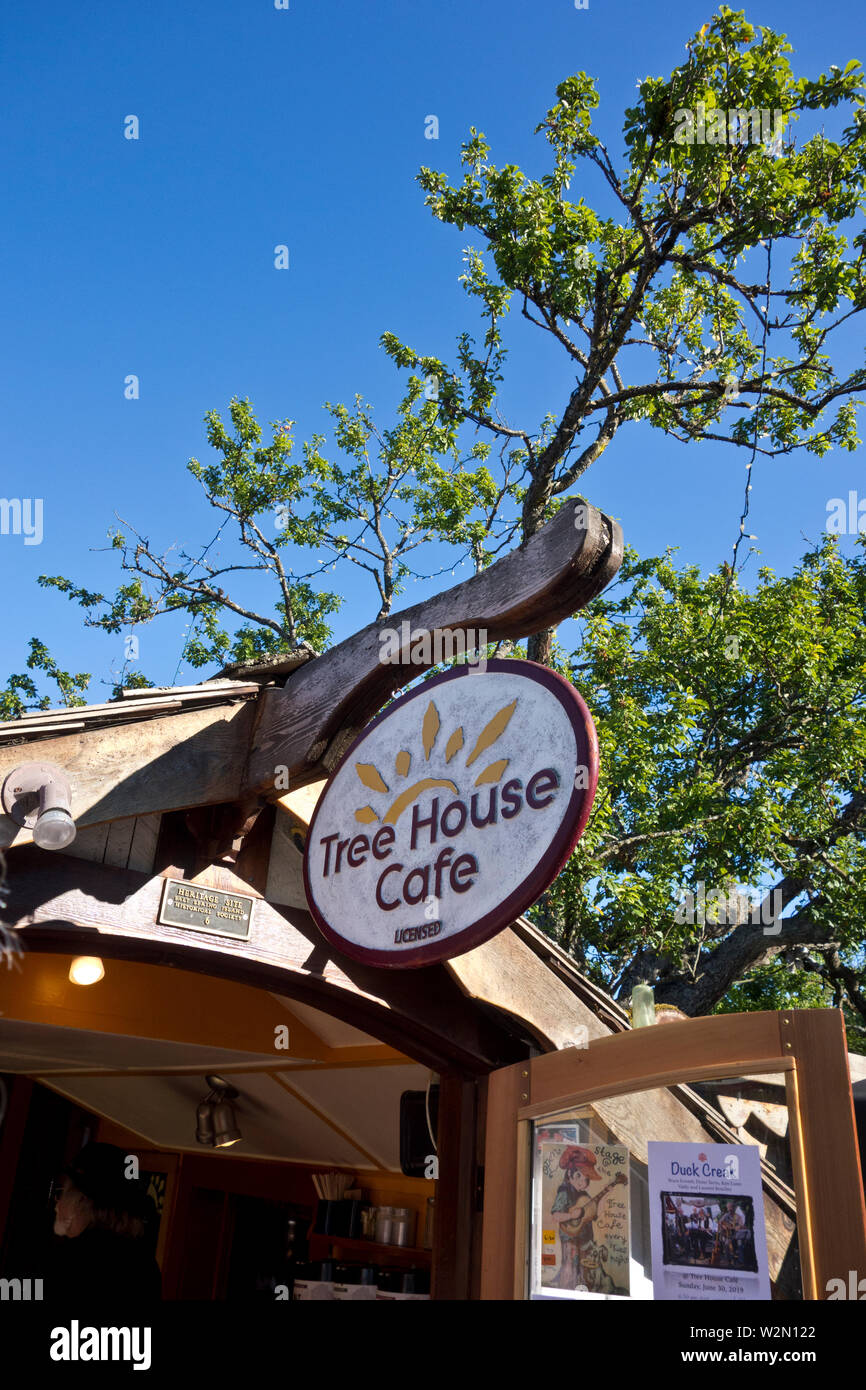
(455, 1237)
(807, 1045)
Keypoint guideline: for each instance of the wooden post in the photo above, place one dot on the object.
(454, 1228)
(505, 1091)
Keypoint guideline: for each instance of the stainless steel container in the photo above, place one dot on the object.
(403, 1226)
(384, 1225)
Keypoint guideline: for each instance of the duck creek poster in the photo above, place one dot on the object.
(582, 1219)
(707, 1222)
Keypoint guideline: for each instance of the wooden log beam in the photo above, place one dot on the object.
(305, 726)
(66, 905)
(161, 752)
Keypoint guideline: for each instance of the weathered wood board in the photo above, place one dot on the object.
(192, 758)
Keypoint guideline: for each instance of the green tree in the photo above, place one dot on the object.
(246, 482)
(704, 291)
(418, 488)
(371, 501)
(732, 733)
(21, 693)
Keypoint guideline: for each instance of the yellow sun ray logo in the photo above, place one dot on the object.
(370, 776)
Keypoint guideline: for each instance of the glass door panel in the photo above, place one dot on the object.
(595, 1211)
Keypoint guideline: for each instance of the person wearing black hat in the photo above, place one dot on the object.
(102, 1216)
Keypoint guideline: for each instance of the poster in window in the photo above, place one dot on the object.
(707, 1219)
(582, 1219)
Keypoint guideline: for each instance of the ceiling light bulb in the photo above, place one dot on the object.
(55, 829)
(86, 970)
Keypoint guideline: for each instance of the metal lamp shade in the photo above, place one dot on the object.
(226, 1131)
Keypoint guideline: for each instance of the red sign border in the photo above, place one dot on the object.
(555, 857)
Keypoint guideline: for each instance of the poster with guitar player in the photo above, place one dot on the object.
(582, 1220)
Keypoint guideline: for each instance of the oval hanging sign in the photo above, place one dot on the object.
(451, 813)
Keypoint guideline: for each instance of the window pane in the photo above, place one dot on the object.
(591, 1231)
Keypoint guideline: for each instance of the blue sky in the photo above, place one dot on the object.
(305, 127)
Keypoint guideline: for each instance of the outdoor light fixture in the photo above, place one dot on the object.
(38, 797)
(216, 1122)
(86, 970)
(204, 1123)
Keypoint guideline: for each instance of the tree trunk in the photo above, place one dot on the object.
(538, 647)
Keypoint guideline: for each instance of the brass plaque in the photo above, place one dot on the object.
(205, 909)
